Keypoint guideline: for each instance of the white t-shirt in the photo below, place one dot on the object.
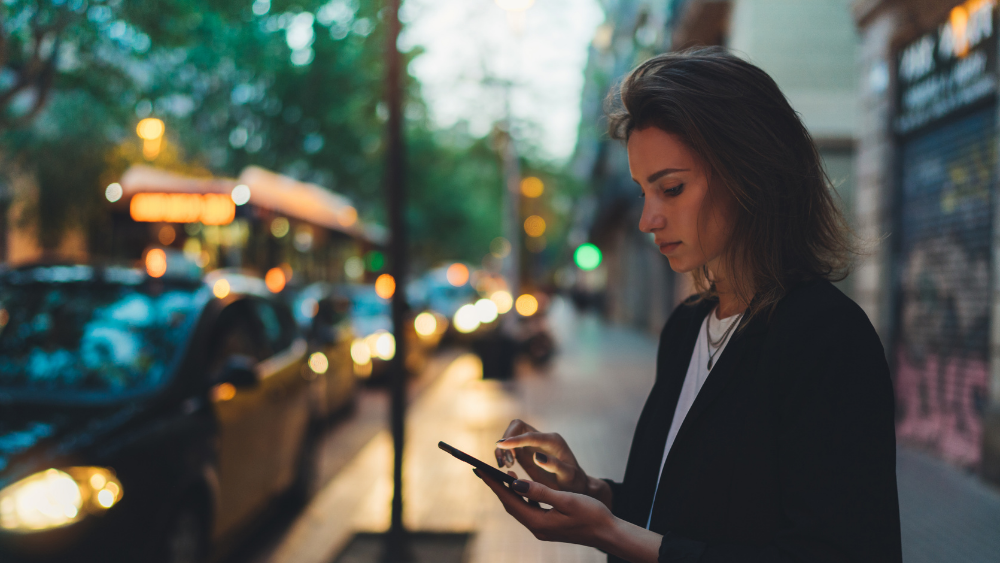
(697, 373)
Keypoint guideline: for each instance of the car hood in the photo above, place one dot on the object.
(33, 437)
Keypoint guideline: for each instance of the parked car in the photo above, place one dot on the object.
(322, 313)
(144, 419)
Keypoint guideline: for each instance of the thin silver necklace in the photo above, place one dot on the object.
(708, 338)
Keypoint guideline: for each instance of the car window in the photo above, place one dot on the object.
(83, 340)
(277, 322)
(237, 332)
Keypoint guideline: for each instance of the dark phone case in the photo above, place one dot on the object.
(493, 472)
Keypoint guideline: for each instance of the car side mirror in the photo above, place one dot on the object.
(240, 371)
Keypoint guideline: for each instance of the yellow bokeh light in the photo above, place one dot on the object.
(150, 128)
(457, 274)
(534, 226)
(526, 305)
(384, 346)
(487, 311)
(425, 324)
(167, 235)
(97, 481)
(280, 227)
(532, 187)
(318, 362)
(105, 498)
(503, 300)
(156, 263)
(275, 280)
(385, 286)
(466, 319)
(360, 352)
(224, 392)
(221, 288)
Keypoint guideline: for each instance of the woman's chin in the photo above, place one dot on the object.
(680, 265)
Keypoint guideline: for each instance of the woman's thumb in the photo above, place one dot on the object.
(533, 490)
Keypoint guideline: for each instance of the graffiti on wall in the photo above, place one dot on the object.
(942, 336)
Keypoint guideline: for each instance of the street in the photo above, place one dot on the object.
(592, 395)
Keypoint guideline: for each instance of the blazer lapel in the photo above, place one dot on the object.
(671, 368)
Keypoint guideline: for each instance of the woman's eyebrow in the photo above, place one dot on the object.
(657, 175)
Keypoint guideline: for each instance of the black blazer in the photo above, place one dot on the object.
(788, 453)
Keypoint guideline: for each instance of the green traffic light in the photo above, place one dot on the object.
(587, 256)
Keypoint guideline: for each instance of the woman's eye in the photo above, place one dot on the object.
(676, 190)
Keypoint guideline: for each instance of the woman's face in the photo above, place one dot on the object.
(690, 226)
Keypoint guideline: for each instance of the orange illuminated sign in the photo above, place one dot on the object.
(210, 209)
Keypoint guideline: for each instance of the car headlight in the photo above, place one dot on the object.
(54, 498)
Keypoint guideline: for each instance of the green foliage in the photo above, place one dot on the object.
(223, 76)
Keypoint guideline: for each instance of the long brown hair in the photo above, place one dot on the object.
(787, 227)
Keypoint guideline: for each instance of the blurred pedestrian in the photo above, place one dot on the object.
(769, 434)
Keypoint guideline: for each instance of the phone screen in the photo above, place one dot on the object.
(489, 470)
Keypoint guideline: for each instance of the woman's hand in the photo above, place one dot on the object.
(547, 459)
(574, 518)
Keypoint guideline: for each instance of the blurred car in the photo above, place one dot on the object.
(322, 313)
(374, 345)
(469, 314)
(144, 419)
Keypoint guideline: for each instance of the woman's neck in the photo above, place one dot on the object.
(729, 303)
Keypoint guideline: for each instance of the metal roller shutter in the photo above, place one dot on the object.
(942, 266)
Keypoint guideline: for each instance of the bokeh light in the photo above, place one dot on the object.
(166, 235)
(309, 307)
(515, 5)
(156, 263)
(280, 227)
(466, 319)
(425, 324)
(526, 305)
(500, 247)
(360, 352)
(150, 129)
(385, 286)
(385, 346)
(113, 192)
(457, 274)
(275, 280)
(221, 288)
(587, 256)
(503, 300)
(487, 311)
(347, 216)
(532, 187)
(375, 260)
(354, 268)
(241, 194)
(318, 362)
(534, 226)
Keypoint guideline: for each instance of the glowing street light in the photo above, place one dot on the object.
(150, 130)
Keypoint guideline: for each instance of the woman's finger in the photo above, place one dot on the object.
(515, 428)
(554, 465)
(545, 440)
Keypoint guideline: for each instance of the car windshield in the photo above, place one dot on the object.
(89, 340)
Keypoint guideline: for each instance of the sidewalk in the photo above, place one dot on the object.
(592, 396)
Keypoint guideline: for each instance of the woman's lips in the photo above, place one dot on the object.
(669, 246)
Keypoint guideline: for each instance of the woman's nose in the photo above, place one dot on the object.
(651, 220)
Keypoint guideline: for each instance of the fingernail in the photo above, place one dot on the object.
(541, 458)
(508, 456)
(520, 486)
(501, 440)
(476, 472)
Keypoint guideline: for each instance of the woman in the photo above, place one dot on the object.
(768, 435)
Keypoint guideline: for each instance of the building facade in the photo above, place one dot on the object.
(926, 190)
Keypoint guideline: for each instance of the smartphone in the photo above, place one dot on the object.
(486, 468)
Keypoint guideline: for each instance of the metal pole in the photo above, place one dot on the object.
(397, 544)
